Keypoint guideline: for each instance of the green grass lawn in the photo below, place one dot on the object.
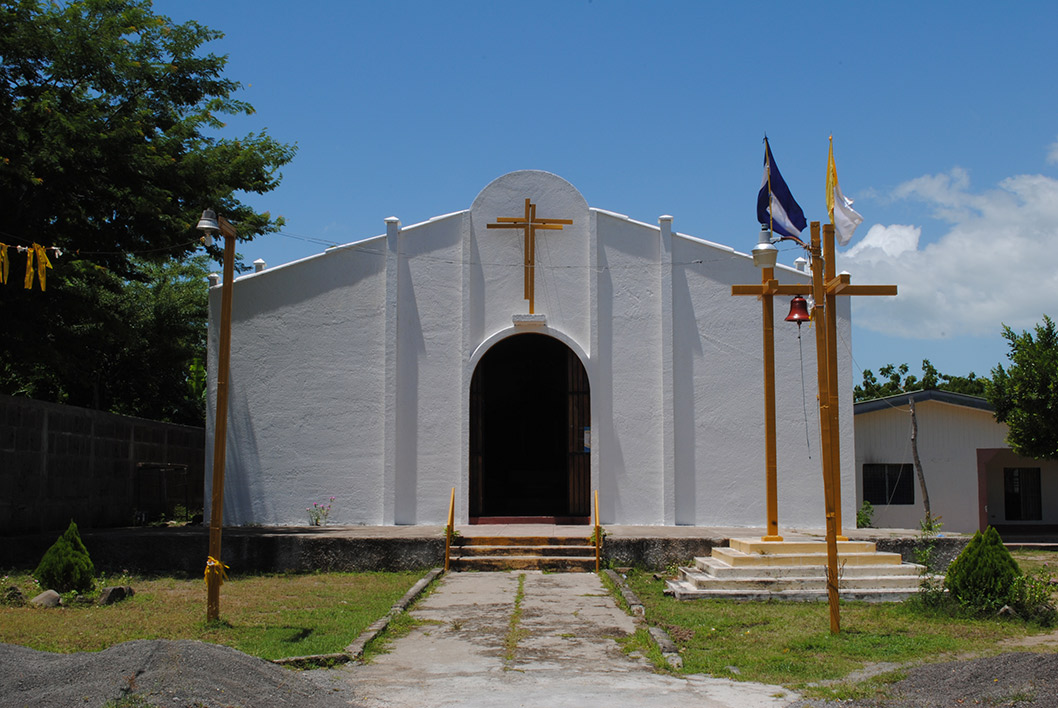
(269, 616)
(789, 643)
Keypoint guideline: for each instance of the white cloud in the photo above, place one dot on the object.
(997, 264)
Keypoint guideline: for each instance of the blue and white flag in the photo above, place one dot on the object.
(776, 207)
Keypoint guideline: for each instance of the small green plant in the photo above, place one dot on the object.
(982, 578)
(931, 583)
(1033, 594)
(865, 516)
(66, 566)
(318, 513)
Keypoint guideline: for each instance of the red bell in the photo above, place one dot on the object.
(798, 311)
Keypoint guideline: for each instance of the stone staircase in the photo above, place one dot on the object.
(559, 553)
(752, 569)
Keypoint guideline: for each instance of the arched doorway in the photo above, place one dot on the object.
(530, 412)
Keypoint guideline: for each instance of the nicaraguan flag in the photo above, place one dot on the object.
(776, 207)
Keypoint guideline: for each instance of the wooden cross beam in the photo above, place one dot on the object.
(825, 288)
(530, 224)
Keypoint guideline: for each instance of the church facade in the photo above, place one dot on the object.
(526, 352)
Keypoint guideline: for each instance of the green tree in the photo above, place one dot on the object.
(110, 147)
(1025, 395)
(896, 380)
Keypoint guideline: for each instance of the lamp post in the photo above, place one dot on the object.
(210, 224)
(824, 289)
(764, 256)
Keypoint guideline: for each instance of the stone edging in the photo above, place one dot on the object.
(355, 651)
(658, 635)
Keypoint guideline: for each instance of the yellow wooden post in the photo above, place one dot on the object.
(819, 321)
(214, 570)
(598, 534)
(450, 527)
(832, 371)
(771, 464)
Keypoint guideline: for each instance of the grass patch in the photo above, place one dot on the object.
(269, 616)
(789, 643)
(514, 633)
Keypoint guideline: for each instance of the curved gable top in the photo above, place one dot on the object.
(506, 195)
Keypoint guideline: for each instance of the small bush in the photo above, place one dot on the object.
(66, 565)
(983, 577)
(865, 516)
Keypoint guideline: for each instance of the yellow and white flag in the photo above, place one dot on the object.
(844, 218)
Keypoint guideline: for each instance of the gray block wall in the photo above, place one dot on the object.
(102, 470)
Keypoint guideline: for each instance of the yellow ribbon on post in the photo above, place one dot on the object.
(215, 567)
(4, 264)
(42, 263)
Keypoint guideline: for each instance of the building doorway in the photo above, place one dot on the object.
(530, 412)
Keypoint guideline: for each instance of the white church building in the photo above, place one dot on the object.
(527, 352)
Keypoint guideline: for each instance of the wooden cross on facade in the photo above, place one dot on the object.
(530, 224)
(825, 288)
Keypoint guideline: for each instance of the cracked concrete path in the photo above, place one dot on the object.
(527, 638)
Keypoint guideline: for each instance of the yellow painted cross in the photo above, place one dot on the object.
(530, 224)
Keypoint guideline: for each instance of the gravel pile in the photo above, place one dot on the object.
(1015, 679)
(165, 673)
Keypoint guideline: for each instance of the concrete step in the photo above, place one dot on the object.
(686, 591)
(524, 541)
(704, 581)
(558, 563)
(754, 546)
(719, 569)
(735, 557)
(510, 550)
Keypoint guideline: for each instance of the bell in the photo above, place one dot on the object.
(798, 311)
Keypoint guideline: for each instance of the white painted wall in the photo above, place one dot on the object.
(351, 369)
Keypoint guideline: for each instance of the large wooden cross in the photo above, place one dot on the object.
(825, 288)
(530, 224)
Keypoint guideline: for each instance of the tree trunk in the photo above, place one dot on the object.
(918, 462)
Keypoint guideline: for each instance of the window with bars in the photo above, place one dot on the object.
(888, 483)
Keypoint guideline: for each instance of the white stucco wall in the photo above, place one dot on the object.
(351, 369)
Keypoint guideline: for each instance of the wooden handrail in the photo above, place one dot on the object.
(450, 527)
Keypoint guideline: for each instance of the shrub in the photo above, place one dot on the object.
(66, 565)
(865, 516)
(982, 577)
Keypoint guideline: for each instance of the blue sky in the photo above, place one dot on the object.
(944, 117)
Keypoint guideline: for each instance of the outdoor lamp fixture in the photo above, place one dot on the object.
(211, 224)
(765, 253)
(208, 225)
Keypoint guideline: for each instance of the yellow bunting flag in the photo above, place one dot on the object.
(42, 263)
(215, 567)
(4, 264)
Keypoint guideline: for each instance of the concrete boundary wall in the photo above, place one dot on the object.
(309, 549)
(59, 463)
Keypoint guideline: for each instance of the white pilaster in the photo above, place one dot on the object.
(389, 484)
(668, 427)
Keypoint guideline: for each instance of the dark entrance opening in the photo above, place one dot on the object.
(529, 417)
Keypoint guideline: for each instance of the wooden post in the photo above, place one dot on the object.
(771, 464)
(819, 320)
(598, 534)
(450, 528)
(220, 423)
(834, 450)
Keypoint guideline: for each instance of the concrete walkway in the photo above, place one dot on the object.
(530, 639)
